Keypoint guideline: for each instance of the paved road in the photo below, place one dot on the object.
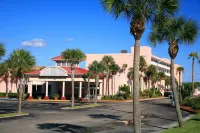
(49, 118)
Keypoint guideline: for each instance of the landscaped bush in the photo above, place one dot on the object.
(192, 102)
(149, 93)
(115, 97)
(10, 95)
(124, 91)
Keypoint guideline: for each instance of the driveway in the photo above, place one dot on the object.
(49, 118)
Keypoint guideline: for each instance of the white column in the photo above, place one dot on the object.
(80, 89)
(63, 89)
(100, 89)
(142, 83)
(47, 85)
(30, 88)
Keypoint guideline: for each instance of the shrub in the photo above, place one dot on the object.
(151, 93)
(124, 91)
(192, 102)
(115, 97)
(56, 95)
(158, 93)
(10, 95)
(145, 93)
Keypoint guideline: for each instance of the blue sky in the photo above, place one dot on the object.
(61, 24)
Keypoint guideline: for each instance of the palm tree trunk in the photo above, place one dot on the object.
(112, 85)
(136, 86)
(103, 87)
(6, 88)
(178, 111)
(88, 91)
(193, 77)
(20, 96)
(107, 84)
(180, 91)
(72, 105)
(97, 82)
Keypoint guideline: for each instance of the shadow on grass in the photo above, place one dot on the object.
(195, 119)
(62, 127)
(113, 117)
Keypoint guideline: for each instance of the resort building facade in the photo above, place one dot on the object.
(50, 80)
(161, 64)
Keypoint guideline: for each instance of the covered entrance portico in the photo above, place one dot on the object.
(56, 80)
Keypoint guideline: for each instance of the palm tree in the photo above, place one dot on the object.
(175, 31)
(114, 68)
(107, 61)
(161, 76)
(180, 70)
(2, 50)
(139, 12)
(167, 81)
(21, 61)
(5, 73)
(130, 77)
(194, 56)
(96, 68)
(74, 57)
(89, 76)
(150, 74)
(142, 68)
(124, 66)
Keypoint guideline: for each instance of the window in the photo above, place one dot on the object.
(63, 63)
(58, 63)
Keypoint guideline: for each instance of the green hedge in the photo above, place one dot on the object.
(112, 98)
(192, 102)
(10, 95)
(149, 93)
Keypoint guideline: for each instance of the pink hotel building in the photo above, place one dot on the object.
(57, 79)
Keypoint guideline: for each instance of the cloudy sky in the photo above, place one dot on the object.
(47, 27)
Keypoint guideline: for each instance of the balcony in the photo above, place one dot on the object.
(160, 65)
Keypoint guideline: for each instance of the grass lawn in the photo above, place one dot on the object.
(83, 106)
(190, 126)
(12, 114)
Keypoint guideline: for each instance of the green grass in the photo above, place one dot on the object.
(12, 114)
(86, 106)
(190, 126)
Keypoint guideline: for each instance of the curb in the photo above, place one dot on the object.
(14, 116)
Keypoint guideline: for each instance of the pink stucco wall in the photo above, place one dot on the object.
(127, 58)
(11, 86)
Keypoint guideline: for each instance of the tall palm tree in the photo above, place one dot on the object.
(5, 73)
(150, 74)
(96, 68)
(89, 76)
(167, 81)
(142, 68)
(2, 50)
(194, 56)
(180, 70)
(21, 61)
(161, 76)
(139, 12)
(130, 77)
(175, 31)
(114, 68)
(74, 57)
(107, 61)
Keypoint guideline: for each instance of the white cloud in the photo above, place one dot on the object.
(34, 43)
(69, 39)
